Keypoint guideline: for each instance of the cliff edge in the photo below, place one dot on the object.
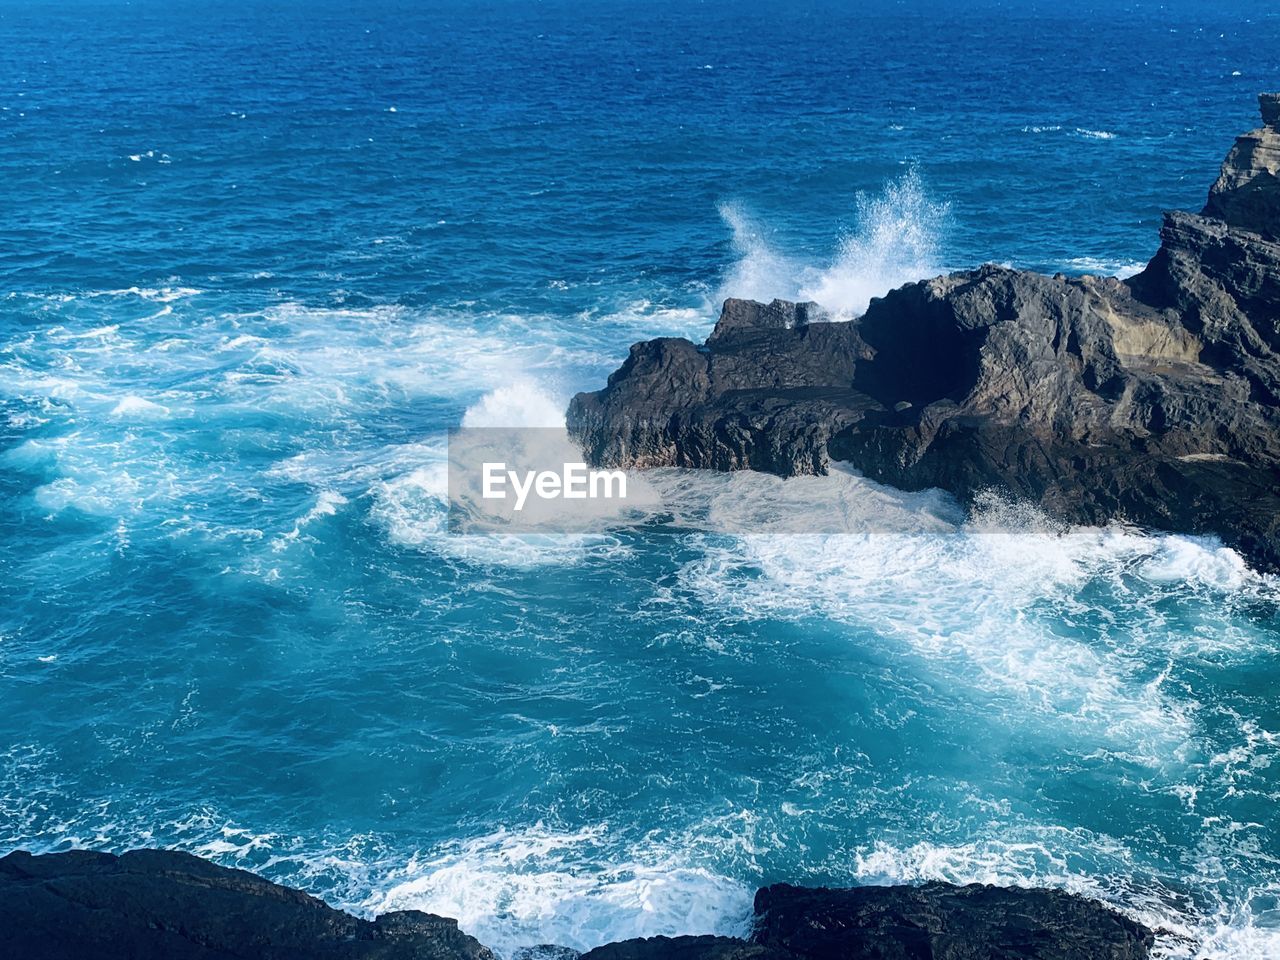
(166, 905)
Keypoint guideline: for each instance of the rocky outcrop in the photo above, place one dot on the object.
(935, 921)
(938, 921)
(686, 948)
(164, 905)
(1247, 194)
(1155, 400)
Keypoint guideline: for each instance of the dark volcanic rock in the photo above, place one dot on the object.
(759, 398)
(686, 948)
(545, 951)
(164, 905)
(1155, 400)
(939, 921)
(1247, 194)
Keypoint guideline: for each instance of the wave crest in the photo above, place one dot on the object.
(897, 239)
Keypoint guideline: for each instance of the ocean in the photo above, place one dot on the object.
(258, 258)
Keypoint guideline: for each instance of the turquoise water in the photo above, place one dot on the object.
(258, 259)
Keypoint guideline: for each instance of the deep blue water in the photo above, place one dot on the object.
(257, 258)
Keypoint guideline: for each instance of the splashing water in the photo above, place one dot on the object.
(232, 620)
(897, 239)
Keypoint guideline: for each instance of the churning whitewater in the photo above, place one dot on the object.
(236, 332)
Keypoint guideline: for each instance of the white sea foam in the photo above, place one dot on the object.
(1197, 560)
(327, 504)
(1103, 267)
(326, 368)
(1233, 934)
(410, 500)
(979, 602)
(156, 294)
(574, 888)
(896, 239)
(759, 272)
(139, 407)
(519, 404)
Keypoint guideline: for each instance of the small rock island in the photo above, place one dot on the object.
(1154, 400)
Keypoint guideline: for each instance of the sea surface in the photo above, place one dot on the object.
(256, 259)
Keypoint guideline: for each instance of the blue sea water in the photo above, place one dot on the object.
(258, 257)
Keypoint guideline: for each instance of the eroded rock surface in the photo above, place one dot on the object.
(1155, 400)
(165, 905)
(938, 921)
(153, 904)
(686, 948)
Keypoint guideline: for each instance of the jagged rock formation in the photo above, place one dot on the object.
(938, 921)
(1155, 400)
(1247, 193)
(686, 948)
(165, 905)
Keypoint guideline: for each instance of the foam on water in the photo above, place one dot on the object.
(322, 369)
(1216, 927)
(413, 510)
(233, 623)
(897, 239)
(573, 888)
(410, 495)
(139, 407)
(982, 604)
(1101, 266)
(519, 404)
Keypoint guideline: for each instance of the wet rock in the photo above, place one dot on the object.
(545, 951)
(1247, 192)
(154, 904)
(1154, 400)
(938, 921)
(165, 905)
(686, 948)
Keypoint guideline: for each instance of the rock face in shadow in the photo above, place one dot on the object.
(165, 905)
(686, 948)
(1155, 400)
(1247, 194)
(938, 921)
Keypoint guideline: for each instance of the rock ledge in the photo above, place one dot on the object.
(1154, 400)
(165, 905)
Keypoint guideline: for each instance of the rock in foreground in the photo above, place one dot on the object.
(165, 905)
(1154, 400)
(686, 948)
(938, 921)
